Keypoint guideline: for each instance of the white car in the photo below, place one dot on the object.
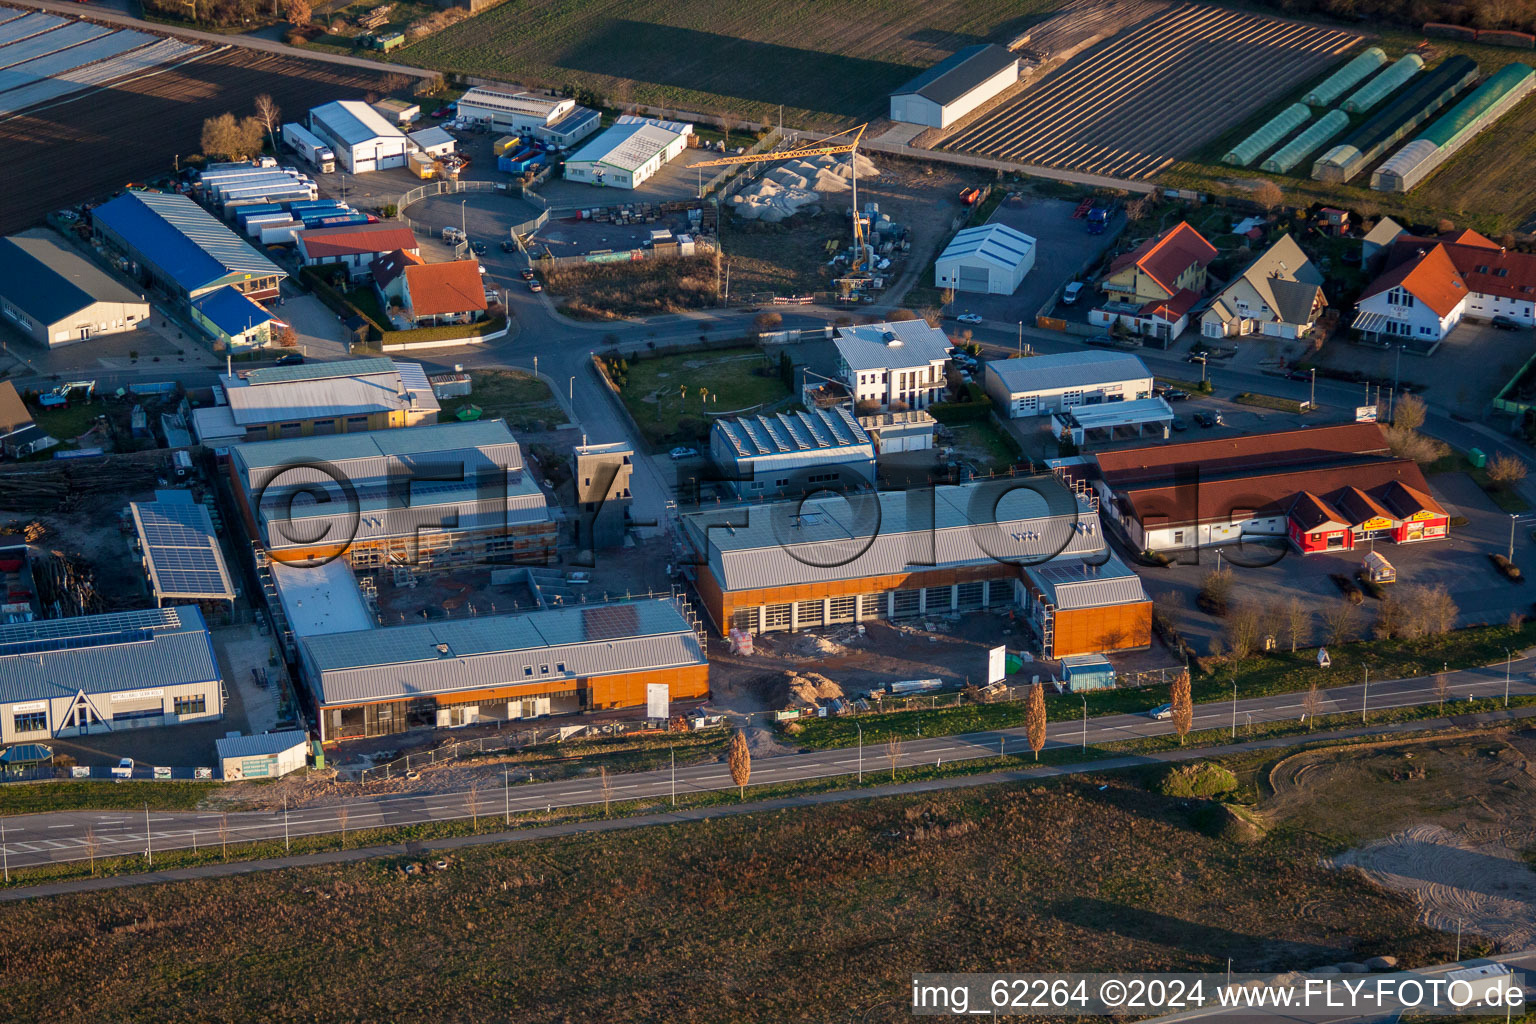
(1070, 294)
(969, 318)
(1161, 712)
(678, 454)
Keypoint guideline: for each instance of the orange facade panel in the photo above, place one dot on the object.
(628, 691)
(1096, 630)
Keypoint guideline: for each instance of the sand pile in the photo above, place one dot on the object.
(790, 187)
(809, 688)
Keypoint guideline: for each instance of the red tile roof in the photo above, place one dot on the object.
(391, 265)
(357, 240)
(1426, 273)
(1172, 310)
(1304, 446)
(1311, 512)
(441, 288)
(1405, 500)
(1168, 255)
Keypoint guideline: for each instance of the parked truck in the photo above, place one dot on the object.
(1098, 218)
(304, 142)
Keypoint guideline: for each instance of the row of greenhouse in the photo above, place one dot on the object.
(1411, 100)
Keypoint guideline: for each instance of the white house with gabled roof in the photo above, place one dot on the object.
(893, 362)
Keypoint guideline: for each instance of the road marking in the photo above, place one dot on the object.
(71, 825)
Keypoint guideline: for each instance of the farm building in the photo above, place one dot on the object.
(799, 563)
(1414, 105)
(955, 86)
(355, 246)
(1384, 84)
(793, 453)
(1278, 295)
(894, 432)
(502, 667)
(398, 112)
(269, 755)
(471, 500)
(233, 318)
(1267, 135)
(1429, 284)
(1246, 489)
(1083, 607)
(442, 293)
(56, 297)
(1377, 241)
(171, 242)
(97, 674)
(362, 139)
(1043, 384)
(1365, 63)
(991, 259)
(1485, 105)
(893, 362)
(553, 119)
(344, 397)
(1306, 142)
(181, 552)
(627, 154)
(1160, 268)
(434, 141)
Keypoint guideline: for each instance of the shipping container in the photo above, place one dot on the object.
(280, 233)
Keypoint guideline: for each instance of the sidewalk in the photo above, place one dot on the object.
(783, 803)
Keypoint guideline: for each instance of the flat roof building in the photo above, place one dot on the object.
(790, 453)
(990, 259)
(1035, 385)
(502, 667)
(177, 245)
(181, 551)
(1086, 607)
(955, 86)
(425, 497)
(343, 397)
(362, 139)
(555, 119)
(99, 674)
(269, 755)
(57, 297)
(627, 154)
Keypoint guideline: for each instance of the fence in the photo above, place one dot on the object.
(56, 772)
(701, 247)
(439, 188)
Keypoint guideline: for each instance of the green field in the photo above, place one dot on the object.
(512, 395)
(829, 63)
(673, 398)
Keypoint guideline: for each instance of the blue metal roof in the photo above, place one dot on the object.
(231, 311)
(154, 647)
(183, 240)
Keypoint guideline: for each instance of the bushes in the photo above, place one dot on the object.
(1200, 779)
(659, 285)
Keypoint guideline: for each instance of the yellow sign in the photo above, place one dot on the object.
(1050, 323)
(1377, 523)
(1426, 514)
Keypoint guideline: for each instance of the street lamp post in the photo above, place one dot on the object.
(1512, 518)
(1234, 707)
(859, 727)
(1508, 657)
(1021, 339)
(571, 390)
(1084, 698)
(1312, 402)
(1396, 365)
(1365, 698)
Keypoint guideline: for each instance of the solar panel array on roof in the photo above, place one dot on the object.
(181, 551)
(43, 635)
(321, 371)
(810, 430)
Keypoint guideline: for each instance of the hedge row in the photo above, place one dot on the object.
(378, 334)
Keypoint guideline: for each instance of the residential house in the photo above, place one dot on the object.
(443, 293)
(1152, 289)
(888, 363)
(355, 246)
(1278, 295)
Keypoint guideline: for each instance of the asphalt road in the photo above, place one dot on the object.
(61, 836)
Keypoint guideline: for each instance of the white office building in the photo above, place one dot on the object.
(893, 362)
(1046, 384)
(628, 153)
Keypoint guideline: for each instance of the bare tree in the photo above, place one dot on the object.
(1393, 620)
(1410, 413)
(1268, 195)
(1311, 704)
(739, 757)
(342, 814)
(767, 323)
(1182, 706)
(1216, 590)
(472, 802)
(893, 752)
(1442, 688)
(1243, 626)
(1434, 610)
(1034, 718)
(268, 114)
(92, 847)
(299, 12)
(1505, 471)
(224, 834)
(1410, 444)
(607, 785)
(1339, 622)
(1298, 623)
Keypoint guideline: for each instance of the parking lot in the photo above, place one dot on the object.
(1063, 250)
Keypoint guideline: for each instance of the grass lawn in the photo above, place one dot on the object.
(747, 918)
(984, 442)
(517, 397)
(77, 794)
(735, 380)
(1456, 462)
(830, 64)
(68, 424)
(367, 300)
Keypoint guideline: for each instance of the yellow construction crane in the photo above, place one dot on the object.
(822, 147)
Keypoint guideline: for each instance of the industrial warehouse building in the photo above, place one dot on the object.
(502, 667)
(795, 564)
(1036, 385)
(1321, 488)
(1085, 607)
(991, 259)
(893, 362)
(362, 139)
(171, 242)
(554, 119)
(56, 297)
(236, 320)
(181, 552)
(344, 397)
(955, 86)
(425, 497)
(104, 673)
(798, 452)
(628, 153)
(355, 246)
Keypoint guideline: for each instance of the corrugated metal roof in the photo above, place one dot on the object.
(353, 122)
(997, 244)
(430, 138)
(626, 146)
(1067, 370)
(318, 371)
(231, 311)
(891, 345)
(1080, 584)
(48, 281)
(372, 389)
(1027, 519)
(263, 745)
(503, 650)
(432, 439)
(959, 73)
(825, 431)
(155, 647)
(182, 239)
